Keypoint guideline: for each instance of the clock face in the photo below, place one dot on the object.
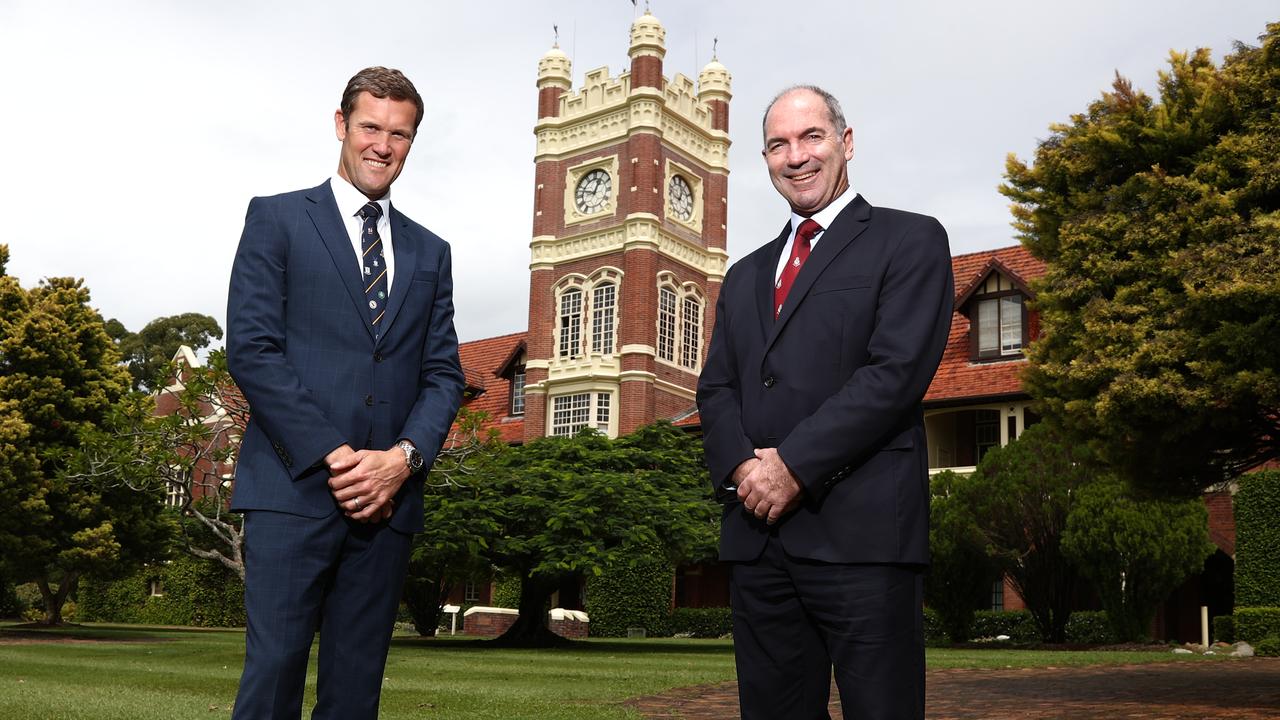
(593, 192)
(681, 197)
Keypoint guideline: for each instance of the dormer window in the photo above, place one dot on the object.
(998, 327)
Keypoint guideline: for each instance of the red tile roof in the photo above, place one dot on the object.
(481, 360)
(958, 378)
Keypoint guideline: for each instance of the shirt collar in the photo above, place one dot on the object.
(826, 215)
(350, 200)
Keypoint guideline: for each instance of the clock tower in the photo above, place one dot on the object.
(628, 249)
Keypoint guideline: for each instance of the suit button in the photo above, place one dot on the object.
(377, 357)
(368, 400)
(769, 381)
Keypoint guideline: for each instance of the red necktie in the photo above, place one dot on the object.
(799, 253)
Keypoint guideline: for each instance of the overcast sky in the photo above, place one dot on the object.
(138, 131)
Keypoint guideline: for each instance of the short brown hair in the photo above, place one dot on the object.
(380, 82)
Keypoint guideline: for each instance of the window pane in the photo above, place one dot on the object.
(517, 392)
(692, 331)
(986, 426)
(570, 413)
(602, 305)
(988, 326)
(602, 412)
(1011, 325)
(571, 323)
(667, 324)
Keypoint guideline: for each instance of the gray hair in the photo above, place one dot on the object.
(834, 113)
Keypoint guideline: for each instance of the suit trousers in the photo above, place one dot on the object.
(331, 574)
(793, 619)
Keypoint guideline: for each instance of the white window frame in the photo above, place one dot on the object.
(683, 333)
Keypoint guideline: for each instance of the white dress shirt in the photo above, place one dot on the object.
(823, 217)
(350, 201)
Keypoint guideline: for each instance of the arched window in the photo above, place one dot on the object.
(603, 307)
(691, 331)
(571, 323)
(667, 324)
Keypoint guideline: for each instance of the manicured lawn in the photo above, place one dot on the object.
(101, 672)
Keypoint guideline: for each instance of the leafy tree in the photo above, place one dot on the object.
(148, 352)
(1135, 551)
(60, 383)
(458, 519)
(185, 453)
(559, 506)
(1158, 219)
(960, 573)
(1020, 498)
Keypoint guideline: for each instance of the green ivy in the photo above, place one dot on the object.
(712, 622)
(197, 593)
(1089, 627)
(1257, 514)
(1255, 623)
(632, 592)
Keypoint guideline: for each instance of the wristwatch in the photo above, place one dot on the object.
(412, 458)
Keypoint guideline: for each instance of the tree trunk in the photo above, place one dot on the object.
(530, 628)
(54, 599)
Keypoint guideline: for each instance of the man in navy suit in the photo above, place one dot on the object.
(825, 341)
(340, 334)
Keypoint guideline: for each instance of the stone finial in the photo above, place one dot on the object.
(714, 82)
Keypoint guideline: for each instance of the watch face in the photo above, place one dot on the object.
(681, 197)
(593, 192)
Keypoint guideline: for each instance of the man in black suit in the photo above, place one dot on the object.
(825, 341)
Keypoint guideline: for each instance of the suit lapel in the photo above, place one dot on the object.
(765, 272)
(847, 226)
(324, 215)
(405, 249)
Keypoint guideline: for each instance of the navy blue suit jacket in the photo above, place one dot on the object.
(301, 347)
(835, 384)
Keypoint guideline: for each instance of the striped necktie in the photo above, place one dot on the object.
(373, 263)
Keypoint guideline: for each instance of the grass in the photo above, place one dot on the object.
(104, 672)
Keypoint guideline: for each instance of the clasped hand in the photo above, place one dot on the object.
(766, 486)
(364, 482)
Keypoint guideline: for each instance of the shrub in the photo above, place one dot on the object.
(712, 622)
(1257, 515)
(1224, 629)
(935, 634)
(1090, 627)
(633, 592)
(1019, 625)
(196, 592)
(506, 592)
(1268, 647)
(1255, 623)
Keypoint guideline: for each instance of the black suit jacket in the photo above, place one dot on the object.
(835, 384)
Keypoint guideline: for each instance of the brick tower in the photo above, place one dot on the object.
(628, 249)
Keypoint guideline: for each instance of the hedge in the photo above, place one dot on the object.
(1089, 627)
(1224, 629)
(1257, 515)
(1019, 625)
(1268, 647)
(1255, 623)
(935, 635)
(199, 593)
(506, 592)
(712, 622)
(634, 592)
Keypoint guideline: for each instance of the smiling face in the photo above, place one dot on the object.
(375, 141)
(807, 157)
